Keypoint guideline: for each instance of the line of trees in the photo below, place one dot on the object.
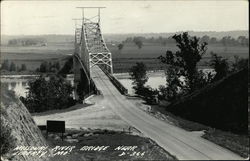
(225, 41)
(45, 67)
(26, 42)
(11, 66)
(49, 67)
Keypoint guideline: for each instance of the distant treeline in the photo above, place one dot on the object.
(225, 41)
(47, 66)
(27, 42)
(11, 66)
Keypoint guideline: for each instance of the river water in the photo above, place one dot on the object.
(19, 83)
(155, 79)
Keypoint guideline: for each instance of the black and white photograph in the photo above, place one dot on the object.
(124, 80)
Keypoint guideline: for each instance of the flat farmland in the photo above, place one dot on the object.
(130, 54)
(33, 56)
(155, 50)
(122, 59)
(50, 48)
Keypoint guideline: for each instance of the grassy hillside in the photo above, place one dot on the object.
(222, 105)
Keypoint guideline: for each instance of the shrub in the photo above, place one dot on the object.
(139, 76)
(43, 95)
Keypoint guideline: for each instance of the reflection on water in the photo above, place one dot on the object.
(20, 85)
(153, 81)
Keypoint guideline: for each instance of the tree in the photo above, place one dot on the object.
(6, 65)
(67, 67)
(138, 42)
(18, 69)
(23, 67)
(213, 40)
(150, 95)
(12, 66)
(12, 42)
(220, 66)
(139, 76)
(182, 73)
(50, 67)
(120, 46)
(205, 39)
(44, 67)
(243, 41)
(47, 94)
(239, 63)
(57, 65)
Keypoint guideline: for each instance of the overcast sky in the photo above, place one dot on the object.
(55, 17)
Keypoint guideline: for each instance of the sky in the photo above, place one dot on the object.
(55, 17)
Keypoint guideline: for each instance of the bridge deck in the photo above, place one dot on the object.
(183, 144)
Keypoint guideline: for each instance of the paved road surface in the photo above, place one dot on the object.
(95, 116)
(183, 144)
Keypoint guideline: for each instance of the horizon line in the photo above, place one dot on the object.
(130, 32)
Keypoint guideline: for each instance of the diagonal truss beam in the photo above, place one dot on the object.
(91, 46)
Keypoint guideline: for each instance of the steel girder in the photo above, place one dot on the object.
(91, 47)
(97, 52)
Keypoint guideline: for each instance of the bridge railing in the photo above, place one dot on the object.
(116, 83)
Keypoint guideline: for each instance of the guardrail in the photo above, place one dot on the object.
(116, 83)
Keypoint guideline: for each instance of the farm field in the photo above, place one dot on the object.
(130, 54)
(122, 59)
(33, 56)
(155, 50)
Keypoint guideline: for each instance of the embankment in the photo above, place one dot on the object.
(17, 128)
(222, 104)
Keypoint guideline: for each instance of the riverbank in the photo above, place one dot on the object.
(18, 83)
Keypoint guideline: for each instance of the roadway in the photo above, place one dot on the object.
(183, 144)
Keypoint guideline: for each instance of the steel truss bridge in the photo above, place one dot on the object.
(91, 52)
(93, 73)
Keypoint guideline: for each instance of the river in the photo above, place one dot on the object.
(19, 83)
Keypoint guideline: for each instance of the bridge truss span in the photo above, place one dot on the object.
(90, 51)
(90, 44)
(99, 54)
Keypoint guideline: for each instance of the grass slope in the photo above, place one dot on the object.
(222, 104)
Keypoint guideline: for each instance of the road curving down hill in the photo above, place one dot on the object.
(183, 144)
